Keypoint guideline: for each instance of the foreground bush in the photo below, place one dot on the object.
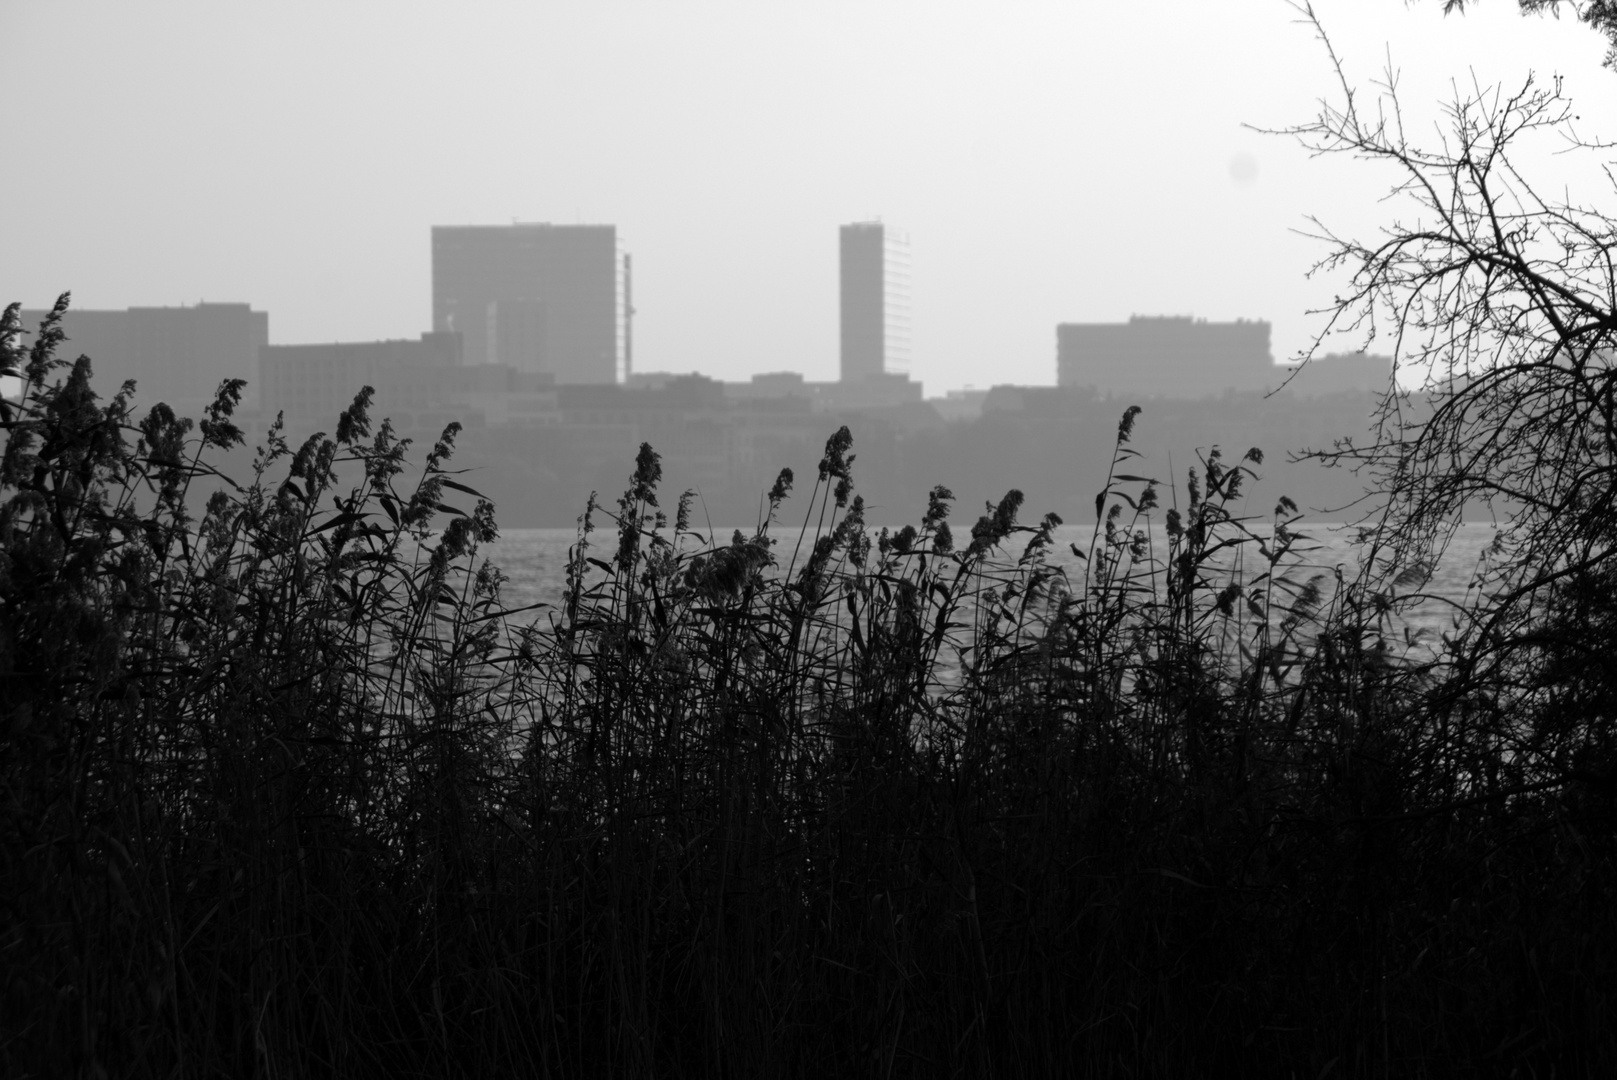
(288, 792)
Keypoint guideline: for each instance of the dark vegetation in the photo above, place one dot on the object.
(285, 791)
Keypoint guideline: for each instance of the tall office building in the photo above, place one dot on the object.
(1167, 356)
(875, 301)
(538, 297)
(177, 355)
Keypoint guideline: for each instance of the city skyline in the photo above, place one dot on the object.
(177, 354)
(1050, 163)
(549, 305)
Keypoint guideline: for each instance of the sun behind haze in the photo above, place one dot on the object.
(1051, 162)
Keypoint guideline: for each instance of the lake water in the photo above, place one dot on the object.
(535, 561)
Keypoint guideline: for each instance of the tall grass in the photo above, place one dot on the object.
(288, 792)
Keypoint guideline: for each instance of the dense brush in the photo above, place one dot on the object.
(288, 792)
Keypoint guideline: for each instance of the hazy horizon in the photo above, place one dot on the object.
(1050, 162)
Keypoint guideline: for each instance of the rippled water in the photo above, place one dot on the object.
(535, 562)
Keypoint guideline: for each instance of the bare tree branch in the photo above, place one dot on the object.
(1502, 303)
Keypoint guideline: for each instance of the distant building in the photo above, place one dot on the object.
(622, 404)
(1168, 356)
(964, 404)
(1337, 373)
(772, 385)
(878, 391)
(655, 380)
(881, 390)
(177, 355)
(418, 384)
(875, 291)
(536, 297)
(317, 382)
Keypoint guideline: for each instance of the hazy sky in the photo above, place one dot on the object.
(1061, 161)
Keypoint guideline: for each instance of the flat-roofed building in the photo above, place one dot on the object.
(177, 355)
(875, 301)
(317, 382)
(964, 404)
(535, 297)
(772, 385)
(418, 383)
(1165, 356)
(1337, 373)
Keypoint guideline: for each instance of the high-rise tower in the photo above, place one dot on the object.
(875, 301)
(538, 297)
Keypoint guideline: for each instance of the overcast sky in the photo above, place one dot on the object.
(1052, 162)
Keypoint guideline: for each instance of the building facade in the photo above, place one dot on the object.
(177, 355)
(875, 301)
(535, 297)
(420, 384)
(1337, 373)
(1165, 356)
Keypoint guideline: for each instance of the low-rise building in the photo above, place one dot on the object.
(177, 355)
(964, 404)
(417, 383)
(1336, 373)
(1164, 356)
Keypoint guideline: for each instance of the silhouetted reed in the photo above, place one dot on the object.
(288, 791)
